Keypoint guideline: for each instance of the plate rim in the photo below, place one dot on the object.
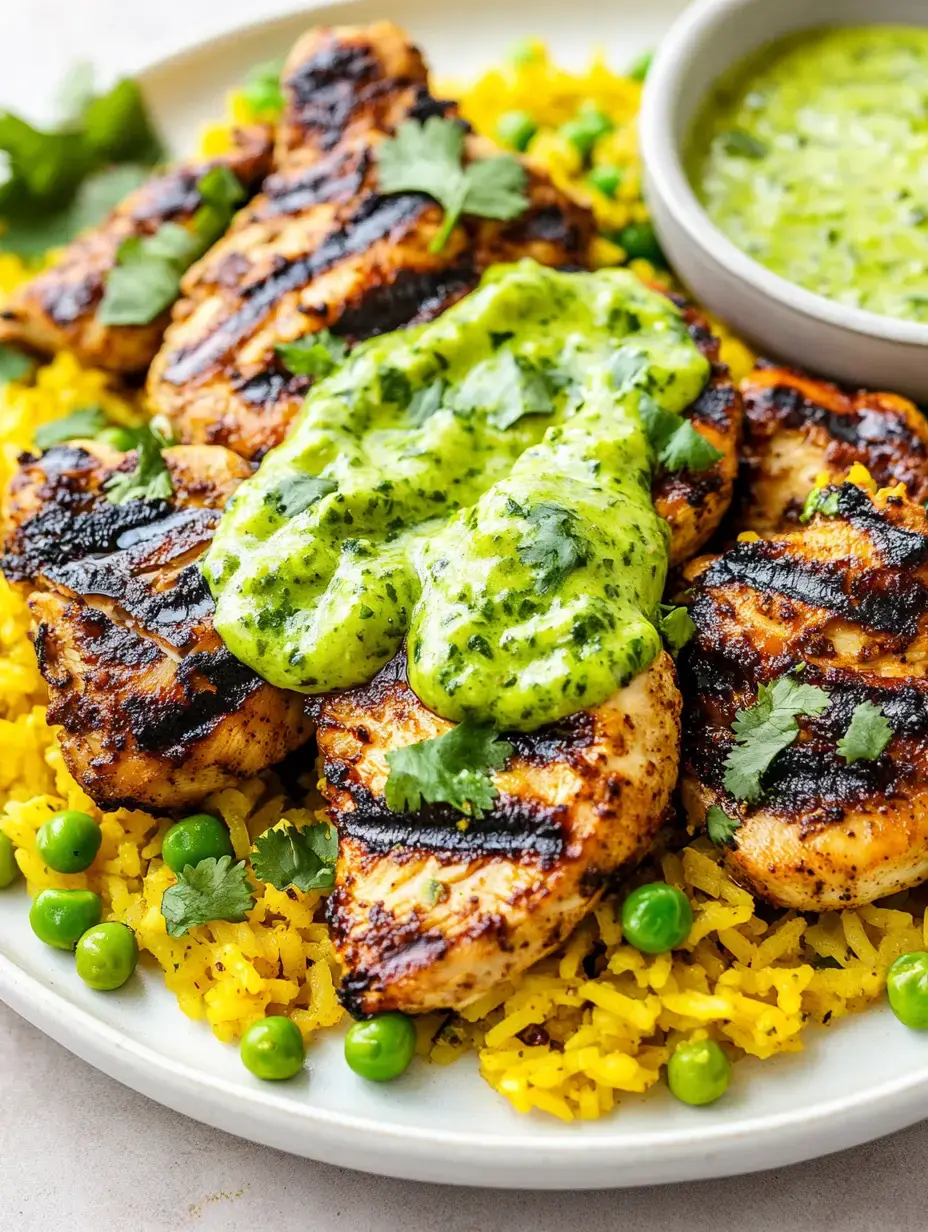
(745, 1143)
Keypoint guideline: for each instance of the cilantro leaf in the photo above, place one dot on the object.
(60, 181)
(720, 827)
(451, 769)
(676, 627)
(766, 729)
(676, 443)
(428, 158)
(14, 365)
(628, 367)
(296, 493)
(85, 422)
(742, 144)
(145, 281)
(150, 479)
(426, 401)
(820, 500)
(867, 735)
(315, 355)
(506, 388)
(262, 91)
(554, 546)
(211, 890)
(302, 858)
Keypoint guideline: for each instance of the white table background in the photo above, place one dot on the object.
(80, 1152)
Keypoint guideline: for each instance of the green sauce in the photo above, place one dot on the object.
(480, 486)
(813, 158)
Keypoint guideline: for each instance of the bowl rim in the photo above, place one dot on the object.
(667, 180)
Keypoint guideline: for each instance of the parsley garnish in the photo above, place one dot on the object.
(450, 769)
(676, 443)
(676, 627)
(211, 890)
(302, 858)
(14, 365)
(297, 493)
(146, 278)
(554, 546)
(766, 729)
(867, 735)
(720, 827)
(428, 158)
(62, 180)
(506, 388)
(85, 422)
(150, 479)
(261, 89)
(315, 355)
(820, 500)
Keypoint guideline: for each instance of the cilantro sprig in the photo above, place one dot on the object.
(428, 158)
(211, 890)
(868, 734)
(720, 827)
(150, 478)
(61, 180)
(146, 278)
(86, 421)
(676, 627)
(553, 546)
(304, 858)
(766, 729)
(450, 769)
(315, 355)
(676, 443)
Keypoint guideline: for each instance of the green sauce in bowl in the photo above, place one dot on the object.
(812, 157)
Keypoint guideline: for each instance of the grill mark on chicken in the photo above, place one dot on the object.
(413, 298)
(377, 218)
(848, 607)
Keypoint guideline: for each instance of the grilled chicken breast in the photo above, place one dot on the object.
(154, 711)
(430, 910)
(320, 247)
(796, 428)
(57, 309)
(694, 503)
(847, 600)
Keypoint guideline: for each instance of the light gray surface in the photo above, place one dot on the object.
(80, 1152)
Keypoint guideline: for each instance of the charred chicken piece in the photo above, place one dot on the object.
(845, 604)
(431, 910)
(154, 712)
(57, 310)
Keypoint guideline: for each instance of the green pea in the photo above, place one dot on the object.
(9, 869)
(907, 988)
(69, 841)
(516, 129)
(640, 242)
(61, 917)
(639, 69)
(698, 1072)
(381, 1048)
(119, 438)
(586, 128)
(656, 917)
(273, 1049)
(194, 839)
(106, 956)
(606, 178)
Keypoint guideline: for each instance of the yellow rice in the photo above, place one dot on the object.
(590, 1022)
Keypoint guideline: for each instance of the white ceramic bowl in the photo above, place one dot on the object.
(783, 320)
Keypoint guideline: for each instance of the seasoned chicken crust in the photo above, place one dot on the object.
(845, 600)
(430, 910)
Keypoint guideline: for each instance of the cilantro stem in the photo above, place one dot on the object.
(440, 238)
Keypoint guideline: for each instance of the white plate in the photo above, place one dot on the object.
(865, 1077)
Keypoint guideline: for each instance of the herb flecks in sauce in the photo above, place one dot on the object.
(486, 494)
(811, 158)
